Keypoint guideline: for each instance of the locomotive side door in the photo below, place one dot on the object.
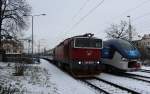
(66, 51)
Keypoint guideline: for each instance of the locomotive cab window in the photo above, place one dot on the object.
(88, 43)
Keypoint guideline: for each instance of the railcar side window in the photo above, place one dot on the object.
(88, 42)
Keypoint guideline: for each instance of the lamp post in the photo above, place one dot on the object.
(130, 31)
(32, 16)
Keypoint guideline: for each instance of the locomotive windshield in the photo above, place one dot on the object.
(88, 43)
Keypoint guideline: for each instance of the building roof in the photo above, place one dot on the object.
(146, 36)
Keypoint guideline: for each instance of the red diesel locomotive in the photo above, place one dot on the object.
(81, 55)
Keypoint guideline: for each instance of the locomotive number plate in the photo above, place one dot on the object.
(89, 62)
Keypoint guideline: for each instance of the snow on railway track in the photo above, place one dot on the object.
(133, 84)
(145, 67)
(135, 76)
(144, 70)
(141, 75)
(108, 87)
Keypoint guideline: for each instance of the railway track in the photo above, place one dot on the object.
(133, 76)
(130, 74)
(143, 70)
(113, 88)
(107, 87)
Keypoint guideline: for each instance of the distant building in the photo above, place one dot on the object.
(145, 41)
(144, 45)
(12, 47)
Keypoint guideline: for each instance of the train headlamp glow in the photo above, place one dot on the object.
(124, 59)
(98, 62)
(79, 62)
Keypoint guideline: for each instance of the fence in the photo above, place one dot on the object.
(17, 58)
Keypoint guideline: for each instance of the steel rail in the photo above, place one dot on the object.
(143, 70)
(130, 76)
(118, 86)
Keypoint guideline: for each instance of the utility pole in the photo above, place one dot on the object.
(0, 24)
(39, 48)
(29, 46)
(2, 51)
(32, 16)
(130, 31)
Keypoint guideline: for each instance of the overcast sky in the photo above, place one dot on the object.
(63, 14)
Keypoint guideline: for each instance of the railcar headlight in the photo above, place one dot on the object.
(98, 62)
(124, 59)
(79, 62)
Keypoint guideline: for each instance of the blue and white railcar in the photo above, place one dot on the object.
(119, 54)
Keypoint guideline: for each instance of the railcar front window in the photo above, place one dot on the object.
(126, 45)
(89, 43)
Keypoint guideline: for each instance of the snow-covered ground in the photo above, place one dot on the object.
(45, 78)
(139, 86)
(145, 67)
(64, 83)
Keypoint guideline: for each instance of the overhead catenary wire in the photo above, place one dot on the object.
(143, 25)
(78, 12)
(141, 16)
(85, 16)
(81, 8)
(132, 9)
(139, 5)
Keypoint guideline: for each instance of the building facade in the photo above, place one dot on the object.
(144, 46)
(12, 47)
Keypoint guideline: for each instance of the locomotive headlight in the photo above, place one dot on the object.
(98, 62)
(79, 62)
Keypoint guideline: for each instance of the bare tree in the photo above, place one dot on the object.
(11, 17)
(119, 31)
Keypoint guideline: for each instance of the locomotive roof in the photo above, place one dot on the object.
(87, 35)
